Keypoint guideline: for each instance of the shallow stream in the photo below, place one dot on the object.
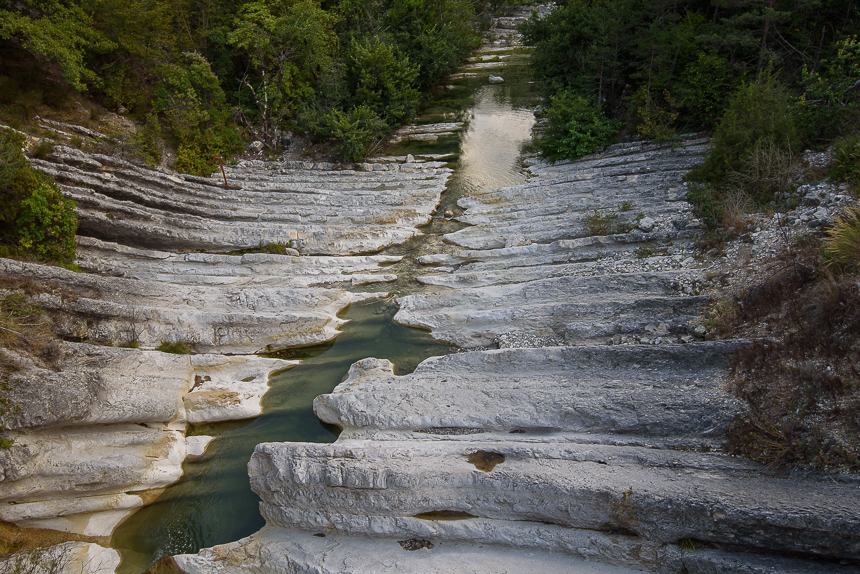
(213, 503)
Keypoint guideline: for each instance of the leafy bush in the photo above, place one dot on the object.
(768, 171)
(705, 83)
(383, 79)
(600, 222)
(846, 160)
(146, 141)
(758, 114)
(707, 204)
(576, 127)
(358, 130)
(654, 119)
(47, 224)
(830, 103)
(197, 117)
(12, 161)
(34, 217)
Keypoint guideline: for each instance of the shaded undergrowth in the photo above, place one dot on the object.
(802, 386)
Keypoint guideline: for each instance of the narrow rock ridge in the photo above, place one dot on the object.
(603, 449)
(321, 209)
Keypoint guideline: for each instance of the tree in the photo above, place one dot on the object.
(383, 79)
(288, 45)
(61, 32)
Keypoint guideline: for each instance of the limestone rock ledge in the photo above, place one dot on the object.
(218, 318)
(101, 435)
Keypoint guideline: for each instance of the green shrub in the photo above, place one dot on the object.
(708, 204)
(600, 222)
(146, 141)
(830, 104)
(576, 128)
(846, 160)
(382, 78)
(654, 118)
(758, 113)
(47, 224)
(176, 347)
(12, 161)
(706, 81)
(357, 130)
(43, 149)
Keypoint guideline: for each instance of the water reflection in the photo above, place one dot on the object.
(493, 143)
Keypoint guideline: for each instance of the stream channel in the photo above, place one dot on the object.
(213, 503)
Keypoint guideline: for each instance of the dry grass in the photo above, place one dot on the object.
(769, 171)
(842, 242)
(803, 385)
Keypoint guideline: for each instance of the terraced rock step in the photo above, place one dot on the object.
(227, 319)
(557, 204)
(100, 436)
(672, 392)
(577, 309)
(661, 496)
(320, 209)
(235, 270)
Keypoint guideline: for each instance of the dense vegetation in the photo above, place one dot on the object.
(202, 73)
(208, 76)
(668, 66)
(34, 217)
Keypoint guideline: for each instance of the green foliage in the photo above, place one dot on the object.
(758, 113)
(654, 119)
(62, 32)
(43, 149)
(576, 128)
(194, 107)
(846, 160)
(146, 141)
(601, 222)
(708, 204)
(175, 347)
(706, 81)
(830, 103)
(34, 217)
(698, 51)
(12, 161)
(288, 46)
(47, 224)
(357, 130)
(383, 79)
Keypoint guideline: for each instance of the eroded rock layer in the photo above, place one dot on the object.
(95, 437)
(312, 206)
